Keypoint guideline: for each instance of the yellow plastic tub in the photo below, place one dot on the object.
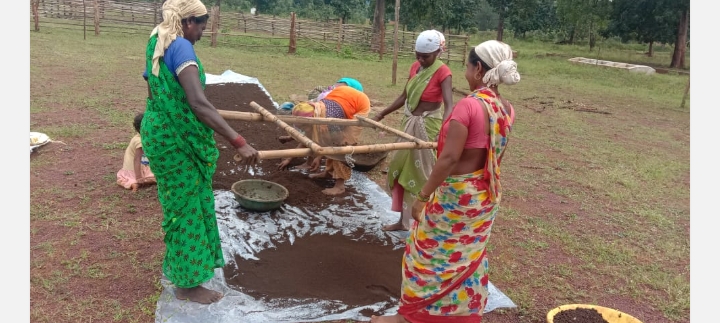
(609, 314)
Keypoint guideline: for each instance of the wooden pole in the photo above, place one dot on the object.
(392, 130)
(249, 116)
(376, 148)
(36, 16)
(290, 130)
(84, 21)
(687, 91)
(344, 150)
(465, 50)
(215, 16)
(293, 35)
(395, 39)
(97, 17)
(340, 27)
(382, 40)
(155, 8)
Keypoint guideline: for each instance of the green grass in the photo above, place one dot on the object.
(621, 175)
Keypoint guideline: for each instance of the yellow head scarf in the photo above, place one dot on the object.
(173, 11)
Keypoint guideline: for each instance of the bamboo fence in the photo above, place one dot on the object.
(233, 28)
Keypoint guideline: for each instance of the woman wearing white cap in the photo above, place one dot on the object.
(445, 264)
(429, 87)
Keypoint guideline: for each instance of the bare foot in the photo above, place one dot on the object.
(388, 319)
(394, 227)
(318, 175)
(334, 190)
(198, 294)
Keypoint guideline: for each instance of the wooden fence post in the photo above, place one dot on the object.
(382, 40)
(293, 35)
(465, 50)
(340, 28)
(215, 16)
(36, 16)
(395, 39)
(96, 17)
(84, 21)
(155, 7)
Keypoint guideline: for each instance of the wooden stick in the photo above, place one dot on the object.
(395, 41)
(290, 130)
(399, 133)
(279, 154)
(343, 150)
(249, 116)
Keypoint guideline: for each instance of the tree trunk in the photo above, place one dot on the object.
(572, 36)
(501, 22)
(678, 59)
(650, 49)
(592, 35)
(378, 24)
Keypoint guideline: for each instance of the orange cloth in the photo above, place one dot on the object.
(337, 169)
(351, 100)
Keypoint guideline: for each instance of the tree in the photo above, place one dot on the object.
(502, 7)
(678, 58)
(647, 21)
(378, 23)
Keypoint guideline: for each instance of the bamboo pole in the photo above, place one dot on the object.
(293, 35)
(398, 133)
(249, 116)
(395, 39)
(84, 21)
(279, 154)
(96, 17)
(340, 27)
(343, 150)
(290, 130)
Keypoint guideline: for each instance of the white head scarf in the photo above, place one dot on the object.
(442, 41)
(429, 41)
(173, 11)
(498, 55)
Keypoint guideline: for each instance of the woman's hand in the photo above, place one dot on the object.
(417, 209)
(315, 165)
(284, 163)
(378, 117)
(249, 154)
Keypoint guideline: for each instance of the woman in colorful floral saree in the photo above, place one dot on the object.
(177, 137)
(445, 266)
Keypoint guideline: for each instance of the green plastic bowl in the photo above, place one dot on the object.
(259, 195)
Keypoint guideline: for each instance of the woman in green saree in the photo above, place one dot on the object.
(429, 87)
(177, 136)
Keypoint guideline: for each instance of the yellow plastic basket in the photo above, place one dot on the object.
(609, 314)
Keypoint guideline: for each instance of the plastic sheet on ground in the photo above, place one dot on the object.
(231, 77)
(250, 233)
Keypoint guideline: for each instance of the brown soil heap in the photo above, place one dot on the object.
(330, 267)
(579, 315)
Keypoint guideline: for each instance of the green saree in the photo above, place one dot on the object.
(183, 155)
(411, 168)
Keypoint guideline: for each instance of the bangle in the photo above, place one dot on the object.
(423, 198)
(238, 142)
